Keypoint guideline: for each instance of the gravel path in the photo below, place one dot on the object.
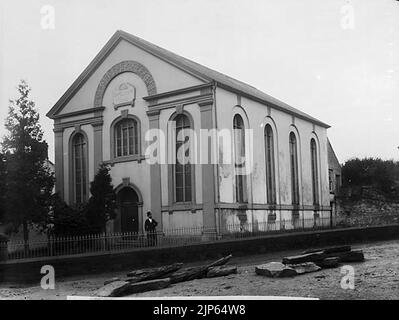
(376, 278)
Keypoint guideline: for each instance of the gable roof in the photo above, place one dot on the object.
(185, 64)
(333, 162)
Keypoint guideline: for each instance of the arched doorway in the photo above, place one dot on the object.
(128, 202)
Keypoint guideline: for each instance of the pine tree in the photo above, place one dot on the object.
(102, 204)
(28, 180)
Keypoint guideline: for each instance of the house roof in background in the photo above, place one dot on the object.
(333, 161)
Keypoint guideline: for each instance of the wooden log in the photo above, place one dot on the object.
(347, 256)
(109, 288)
(220, 262)
(351, 256)
(197, 272)
(317, 257)
(108, 281)
(148, 279)
(153, 273)
(329, 250)
(125, 288)
(332, 262)
(309, 257)
(221, 271)
(188, 274)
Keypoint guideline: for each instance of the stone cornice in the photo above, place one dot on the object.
(98, 110)
(206, 105)
(94, 121)
(202, 98)
(98, 126)
(58, 130)
(182, 207)
(178, 92)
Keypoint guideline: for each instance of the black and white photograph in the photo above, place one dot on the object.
(224, 151)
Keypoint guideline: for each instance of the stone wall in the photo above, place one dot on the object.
(365, 203)
(364, 207)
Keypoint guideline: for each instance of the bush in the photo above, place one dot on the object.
(65, 220)
(381, 174)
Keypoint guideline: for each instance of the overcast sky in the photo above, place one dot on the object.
(309, 53)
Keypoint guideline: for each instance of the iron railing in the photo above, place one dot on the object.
(120, 242)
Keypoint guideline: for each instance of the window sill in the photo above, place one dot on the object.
(182, 206)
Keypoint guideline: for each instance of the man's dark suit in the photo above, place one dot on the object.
(150, 228)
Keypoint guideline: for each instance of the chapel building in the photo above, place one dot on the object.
(133, 86)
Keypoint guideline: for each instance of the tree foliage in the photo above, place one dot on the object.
(88, 218)
(2, 185)
(28, 179)
(102, 204)
(65, 220)
(382, 174)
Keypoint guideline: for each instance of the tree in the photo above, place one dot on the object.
(102, 204)
(28, 180)
(2, 186)
(381, 174)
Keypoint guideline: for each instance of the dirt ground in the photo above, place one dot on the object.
(376, 278)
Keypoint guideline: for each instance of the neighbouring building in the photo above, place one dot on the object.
(133, 86)
(334, 176)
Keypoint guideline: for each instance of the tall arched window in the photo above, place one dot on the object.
(126, 137)
(239, 160)
(294, 168)
(270, 171)
(183, 168)
(315, 175)
(79, 156)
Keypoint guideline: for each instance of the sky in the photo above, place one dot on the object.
(337, 60)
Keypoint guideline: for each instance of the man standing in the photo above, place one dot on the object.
(150, 227)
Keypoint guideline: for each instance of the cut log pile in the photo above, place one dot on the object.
(162, 277)
(310, 261)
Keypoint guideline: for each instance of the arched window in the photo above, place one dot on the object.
(183, 168)
(126, 137)
(270, 171)
(79, 164)
(294, 168)
(315, 175)
(239, 159)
